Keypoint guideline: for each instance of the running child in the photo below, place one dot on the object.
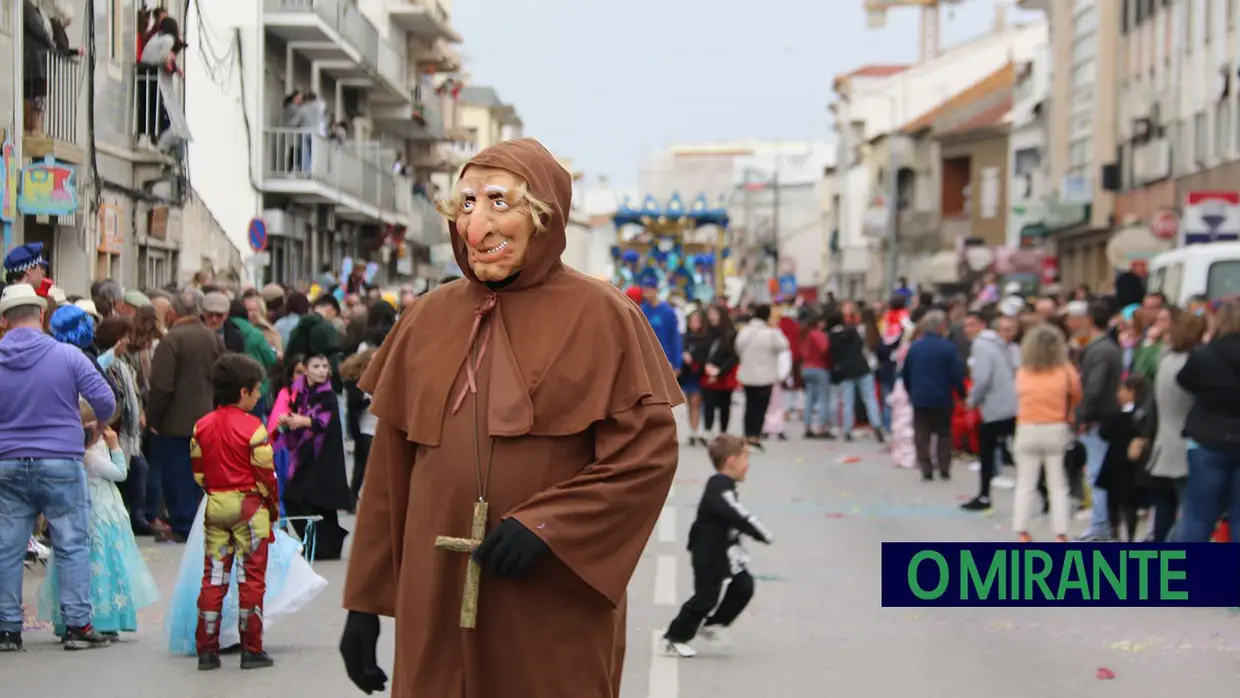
(719, 561)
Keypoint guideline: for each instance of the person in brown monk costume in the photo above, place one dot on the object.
(525, 447)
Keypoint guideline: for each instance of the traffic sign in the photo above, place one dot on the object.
(1166, 225)
(1211, 216)
(257, 233)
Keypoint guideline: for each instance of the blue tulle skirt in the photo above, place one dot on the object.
(120, 582)
(291, 584)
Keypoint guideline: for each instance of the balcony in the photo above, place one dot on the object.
(56, 133)
(426, 18)
(426, 226)
(335, 34)
(435, 56)
(150, 115)
(423, 121)
(312, 169)
(919, 231)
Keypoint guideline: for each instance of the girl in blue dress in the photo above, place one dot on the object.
(120, 582)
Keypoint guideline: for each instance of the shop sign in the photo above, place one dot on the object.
(111, 239)
(48, 188)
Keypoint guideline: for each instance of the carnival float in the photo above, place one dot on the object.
(674, 247)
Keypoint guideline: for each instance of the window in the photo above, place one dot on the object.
(1084, 74)
(6, 13)
(1080, 153)
(1201, 138)
(1222, 280)
(1084, 48)
(1206, 27)
(1026, 161)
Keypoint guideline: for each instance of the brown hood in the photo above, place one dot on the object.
(549, 183)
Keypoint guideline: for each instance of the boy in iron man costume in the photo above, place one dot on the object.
(232, 459)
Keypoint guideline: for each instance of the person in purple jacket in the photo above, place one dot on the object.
(41, 471)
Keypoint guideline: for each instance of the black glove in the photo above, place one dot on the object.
(509, 550)
(357, 647)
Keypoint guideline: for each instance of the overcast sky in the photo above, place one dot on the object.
(608, 83)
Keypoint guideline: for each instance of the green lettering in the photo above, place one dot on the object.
(1143, 558)
(1073, 576)
(1037, 576)
(971, 577)
(1014, 576)
(1102, 568)
(1167, 575)
(944, 575)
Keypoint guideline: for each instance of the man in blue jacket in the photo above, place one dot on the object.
(933, 375)
(666, 325)
(41, 471)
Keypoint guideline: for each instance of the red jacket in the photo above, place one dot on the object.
(792, 330)
(231, 452)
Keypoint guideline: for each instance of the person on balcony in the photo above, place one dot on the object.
(62, 17)
(161, 107)
(312, 119)
(37, 44)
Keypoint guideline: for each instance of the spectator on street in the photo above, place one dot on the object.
(933, 375)
(41, 471)
(1102, 368)
(180, 394)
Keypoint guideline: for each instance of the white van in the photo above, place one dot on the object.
(1211, 270)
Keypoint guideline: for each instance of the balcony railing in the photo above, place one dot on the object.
(60, 106)
(351, 169)
(427, 106)
(149, 117)
(347, 20)
(426, 226)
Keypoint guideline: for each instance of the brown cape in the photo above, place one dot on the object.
(575, 398)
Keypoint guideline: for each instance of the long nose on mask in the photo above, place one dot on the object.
(476, 229)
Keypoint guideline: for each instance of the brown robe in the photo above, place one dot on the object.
(575, 397)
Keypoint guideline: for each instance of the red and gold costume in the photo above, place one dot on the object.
(232, 460)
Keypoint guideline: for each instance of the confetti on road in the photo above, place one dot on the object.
(1104, 674)
(850, 459)
(769, 578)
(846, 495)
(835, 515)
(1127, 646)
(799, 461)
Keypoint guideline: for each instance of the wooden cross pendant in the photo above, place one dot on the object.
(473, 573)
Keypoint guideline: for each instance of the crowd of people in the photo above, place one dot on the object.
(119, 382)
(1098, 403)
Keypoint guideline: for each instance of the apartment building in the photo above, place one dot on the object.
(87, 181)
(487, 118)
(874, 103)
(1081, 109)
(330, 120)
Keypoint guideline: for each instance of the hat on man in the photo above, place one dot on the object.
(271, 293)
(137, 299)
(56, 295)
(17, 295)
(216, 302)
(88, 306)
(1078, 308)
(25, 258)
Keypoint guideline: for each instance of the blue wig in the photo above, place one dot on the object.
(71, 325)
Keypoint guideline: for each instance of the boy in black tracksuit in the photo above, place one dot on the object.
(718, 558)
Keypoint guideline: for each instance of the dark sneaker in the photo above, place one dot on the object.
(976, 504)
(256, 660)
(208, 661)
(879, 437)
(10, 641)
(84, 638)
(944, 475)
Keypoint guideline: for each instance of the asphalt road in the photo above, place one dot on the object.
(815, 627)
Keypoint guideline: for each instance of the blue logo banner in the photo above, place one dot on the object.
(1060, 574)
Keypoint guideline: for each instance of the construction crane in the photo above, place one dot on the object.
(876, 18)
